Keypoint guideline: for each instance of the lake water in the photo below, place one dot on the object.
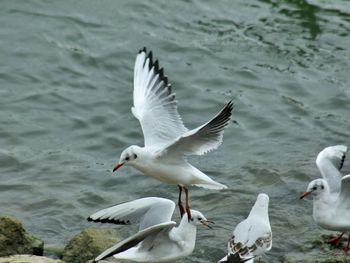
(66, 90)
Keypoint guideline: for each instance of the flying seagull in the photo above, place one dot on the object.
(167, 141)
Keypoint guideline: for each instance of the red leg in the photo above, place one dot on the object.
(335, 240)
(182, 210)
(189, 216)
(346, 249)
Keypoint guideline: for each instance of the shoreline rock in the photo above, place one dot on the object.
(28, 259)
(19, 246)
(53, 251)
(90, 243)
(14, 239)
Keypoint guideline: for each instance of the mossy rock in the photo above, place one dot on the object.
(90, 243)
(14, 239)
(53, 251)
(28, 259)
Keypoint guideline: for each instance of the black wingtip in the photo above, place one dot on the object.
(165, 79)
(342, 162)
(109, 221)
(156, 65)
(161, 77)
(142, 50)
(170, 88)
(161, 73)
(228, 108)
(230, 104)
(150, 57)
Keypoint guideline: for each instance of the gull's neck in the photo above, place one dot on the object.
(325, 197)
(186, 231)
(186, 227)
(184, 235)
(323, 204)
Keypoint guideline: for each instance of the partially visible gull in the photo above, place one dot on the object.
(158, 239)
(252, 237)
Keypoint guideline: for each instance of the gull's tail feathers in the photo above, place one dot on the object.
(235, 258)
(213, 186)
(204, 181)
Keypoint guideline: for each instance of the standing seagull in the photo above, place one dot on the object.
(331, 208)
(158, 239)
(329, 162)
(167, 140)
(252, 237)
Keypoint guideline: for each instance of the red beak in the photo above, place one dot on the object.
(207, 223)
(305, 195)
(117, 166)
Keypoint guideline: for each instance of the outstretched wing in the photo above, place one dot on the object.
(202, 139)
(344, 196)
(154, 103)
(147, 211)
(329, 162)
(135, 239)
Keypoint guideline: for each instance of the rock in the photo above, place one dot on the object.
(90, 243)
(53, 251)
(28, 259)
(14, 239)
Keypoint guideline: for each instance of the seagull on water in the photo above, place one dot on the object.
(252, 237)
(331, 194)
(167, 141)
(158, 239)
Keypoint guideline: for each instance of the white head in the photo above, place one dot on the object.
(316, 187)
(261, 205)
(262, 200)
(197, 218)
(129, 156)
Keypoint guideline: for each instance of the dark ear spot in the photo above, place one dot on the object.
(135, 155)
(322, 187)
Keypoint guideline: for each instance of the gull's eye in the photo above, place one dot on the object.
(135, 155)
(127, 158)
(314, 188)
(199, 218)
